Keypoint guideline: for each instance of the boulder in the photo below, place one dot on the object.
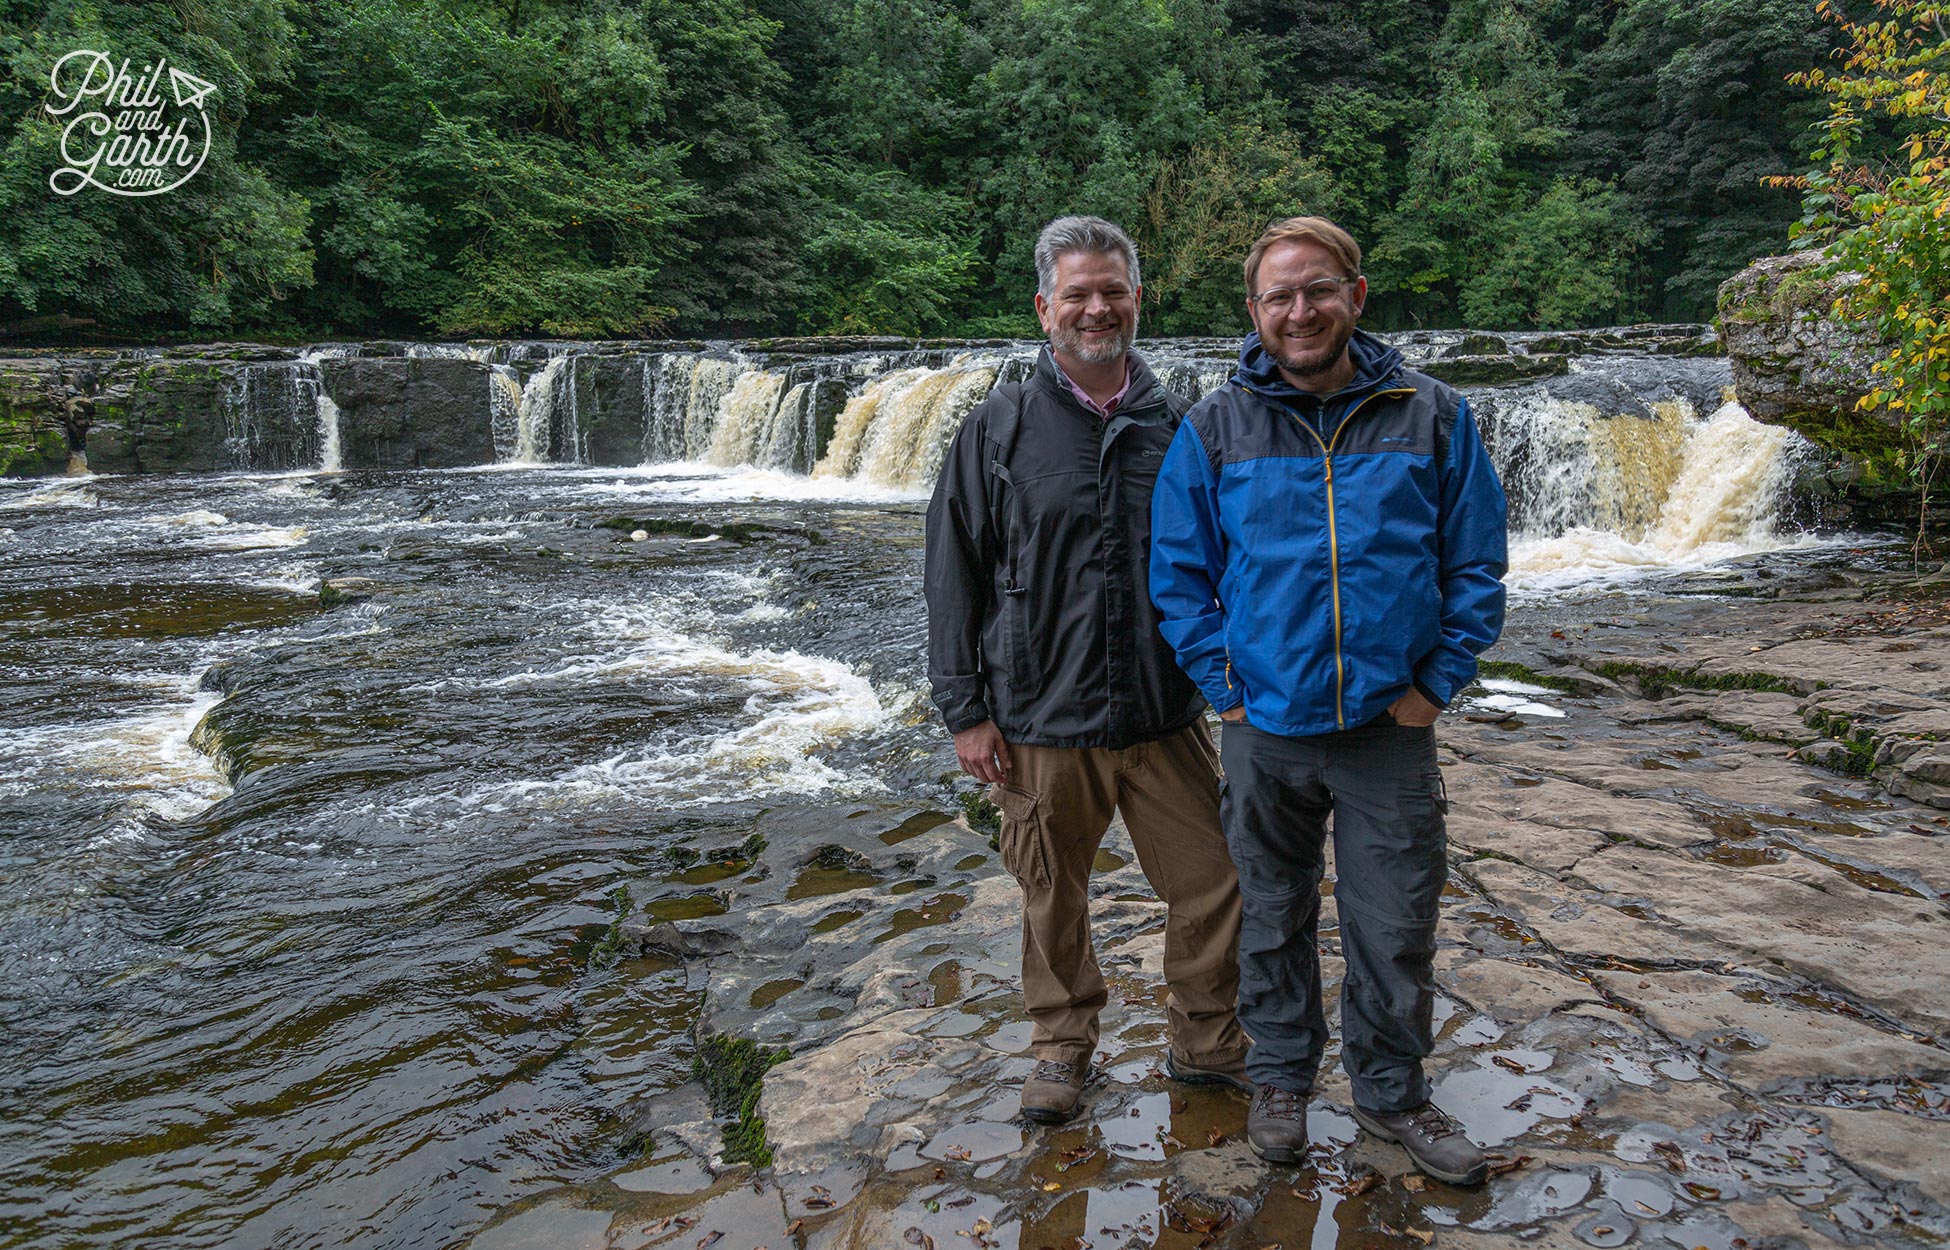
(34, 436)
(1793, 359)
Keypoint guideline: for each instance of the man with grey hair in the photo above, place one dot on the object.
(1047, 664)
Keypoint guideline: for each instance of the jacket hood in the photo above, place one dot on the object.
(1374, 363)
(1143, 393)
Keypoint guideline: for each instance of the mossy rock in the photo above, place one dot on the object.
(732, 1070)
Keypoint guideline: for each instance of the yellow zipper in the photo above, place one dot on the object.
(1334, 544)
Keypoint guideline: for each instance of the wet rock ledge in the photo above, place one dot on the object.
(1691, 974)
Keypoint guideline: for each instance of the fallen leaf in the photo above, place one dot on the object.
(933, 1205)
(1603, 1230)
(1415, 1182)
(818, 1204)
(1214, 1137)
(1423, 1235)
(959, 1203)
(792, 1229)
(1645, 1207)
(1507, 1063)
(1705, 1193)
(709, 1239)
(1508, 1165)
(1361, 1182)
(960, 1154)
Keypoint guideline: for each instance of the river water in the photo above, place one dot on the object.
(298, 893)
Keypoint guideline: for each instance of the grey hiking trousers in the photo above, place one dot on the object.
(1381, 784)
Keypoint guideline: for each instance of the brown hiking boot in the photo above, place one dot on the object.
(1051, 1093)
(1433, 1140)
(1276, 1127)
(1186, 1072)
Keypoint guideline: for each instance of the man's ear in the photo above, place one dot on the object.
(1042, 312)
(1137, 298)
(1360, 295)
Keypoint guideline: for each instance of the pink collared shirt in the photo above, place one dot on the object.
(1109, 406)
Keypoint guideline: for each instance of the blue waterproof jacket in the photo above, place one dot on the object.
(1314, 556)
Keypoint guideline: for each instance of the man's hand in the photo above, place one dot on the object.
(982, 752)
(1234, 714)
(1413, 711)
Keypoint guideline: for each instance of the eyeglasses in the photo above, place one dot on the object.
(1279, 300)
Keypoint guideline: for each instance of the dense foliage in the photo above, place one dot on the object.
(701, 167)
(1881, 198)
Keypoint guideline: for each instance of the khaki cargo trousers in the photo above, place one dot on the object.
(1055, 808)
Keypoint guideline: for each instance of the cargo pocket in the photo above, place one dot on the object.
(1025, 852)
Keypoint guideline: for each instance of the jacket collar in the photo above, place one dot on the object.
(1143, 391)
(1375, 363)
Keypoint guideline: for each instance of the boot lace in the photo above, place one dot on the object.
(1280, 1104)
(1434, 1123)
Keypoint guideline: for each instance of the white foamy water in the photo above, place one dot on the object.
(62, 494)
(689, 481)
(1722, 503)
(794, 706)
(145, 756)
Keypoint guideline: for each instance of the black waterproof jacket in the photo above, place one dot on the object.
(1038, 548)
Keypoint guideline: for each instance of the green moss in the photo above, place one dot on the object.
(1870, 442)
(983, 816)
(610, 946)
(1508, 670)
(733, 1070)
(1659, 681)
(1857, 757)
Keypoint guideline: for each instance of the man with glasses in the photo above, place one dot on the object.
(1327, 552)
(1046, 662)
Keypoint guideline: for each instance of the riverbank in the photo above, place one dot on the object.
(1691, 972)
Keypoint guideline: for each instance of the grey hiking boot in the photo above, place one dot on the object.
(1276, 1127)
(1433, 1139)
(1051, 1093)
(1186, 1072)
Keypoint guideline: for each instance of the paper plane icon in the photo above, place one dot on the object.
(189, 89)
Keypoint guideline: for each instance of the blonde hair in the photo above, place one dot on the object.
(1305, 229)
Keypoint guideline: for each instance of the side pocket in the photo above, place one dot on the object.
(1022, 836)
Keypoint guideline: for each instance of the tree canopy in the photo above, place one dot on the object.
(712, 167)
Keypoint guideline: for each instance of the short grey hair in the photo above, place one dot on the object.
(1080, 234)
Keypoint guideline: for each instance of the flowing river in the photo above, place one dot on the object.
(315, 785)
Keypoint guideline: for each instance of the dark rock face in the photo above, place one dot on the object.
(34, 435)
(424, 412)
(158, 416)
(1494, 370)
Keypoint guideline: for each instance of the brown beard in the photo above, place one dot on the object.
(1321, 362)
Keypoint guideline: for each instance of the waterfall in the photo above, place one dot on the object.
(504, 411)
(684, 394)
(1714, 491)
(538, 416)
(271, 415)
(896, 431)
(745, 419)
(331, 442)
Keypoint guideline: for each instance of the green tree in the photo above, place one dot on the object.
(227, 247)
(1887, 213)
(1687, 105)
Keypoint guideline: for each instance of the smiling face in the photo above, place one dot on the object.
(1308, 340)
(1091, 313)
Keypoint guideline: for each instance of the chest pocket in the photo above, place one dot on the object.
(1051, 532)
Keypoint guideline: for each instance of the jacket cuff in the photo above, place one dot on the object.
(1422, 689)
(969, 717)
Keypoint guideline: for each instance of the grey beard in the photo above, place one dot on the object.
(1072, 343)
